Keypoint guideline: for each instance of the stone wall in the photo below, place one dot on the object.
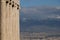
(9, 19)
(0, 20)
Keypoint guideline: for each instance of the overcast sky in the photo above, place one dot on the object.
(40, 15)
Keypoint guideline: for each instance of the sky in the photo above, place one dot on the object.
(40, 15)
(29, 3)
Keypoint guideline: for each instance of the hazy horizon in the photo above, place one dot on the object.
(40, 15)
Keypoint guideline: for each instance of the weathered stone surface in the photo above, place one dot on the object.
(9, 20)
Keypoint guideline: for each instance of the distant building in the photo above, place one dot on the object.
(39, 36)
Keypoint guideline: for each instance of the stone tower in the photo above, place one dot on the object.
(9, 20)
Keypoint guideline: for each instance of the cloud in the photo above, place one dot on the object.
(40, 19)
(42, 12)
(42, 28)
(57, 7)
